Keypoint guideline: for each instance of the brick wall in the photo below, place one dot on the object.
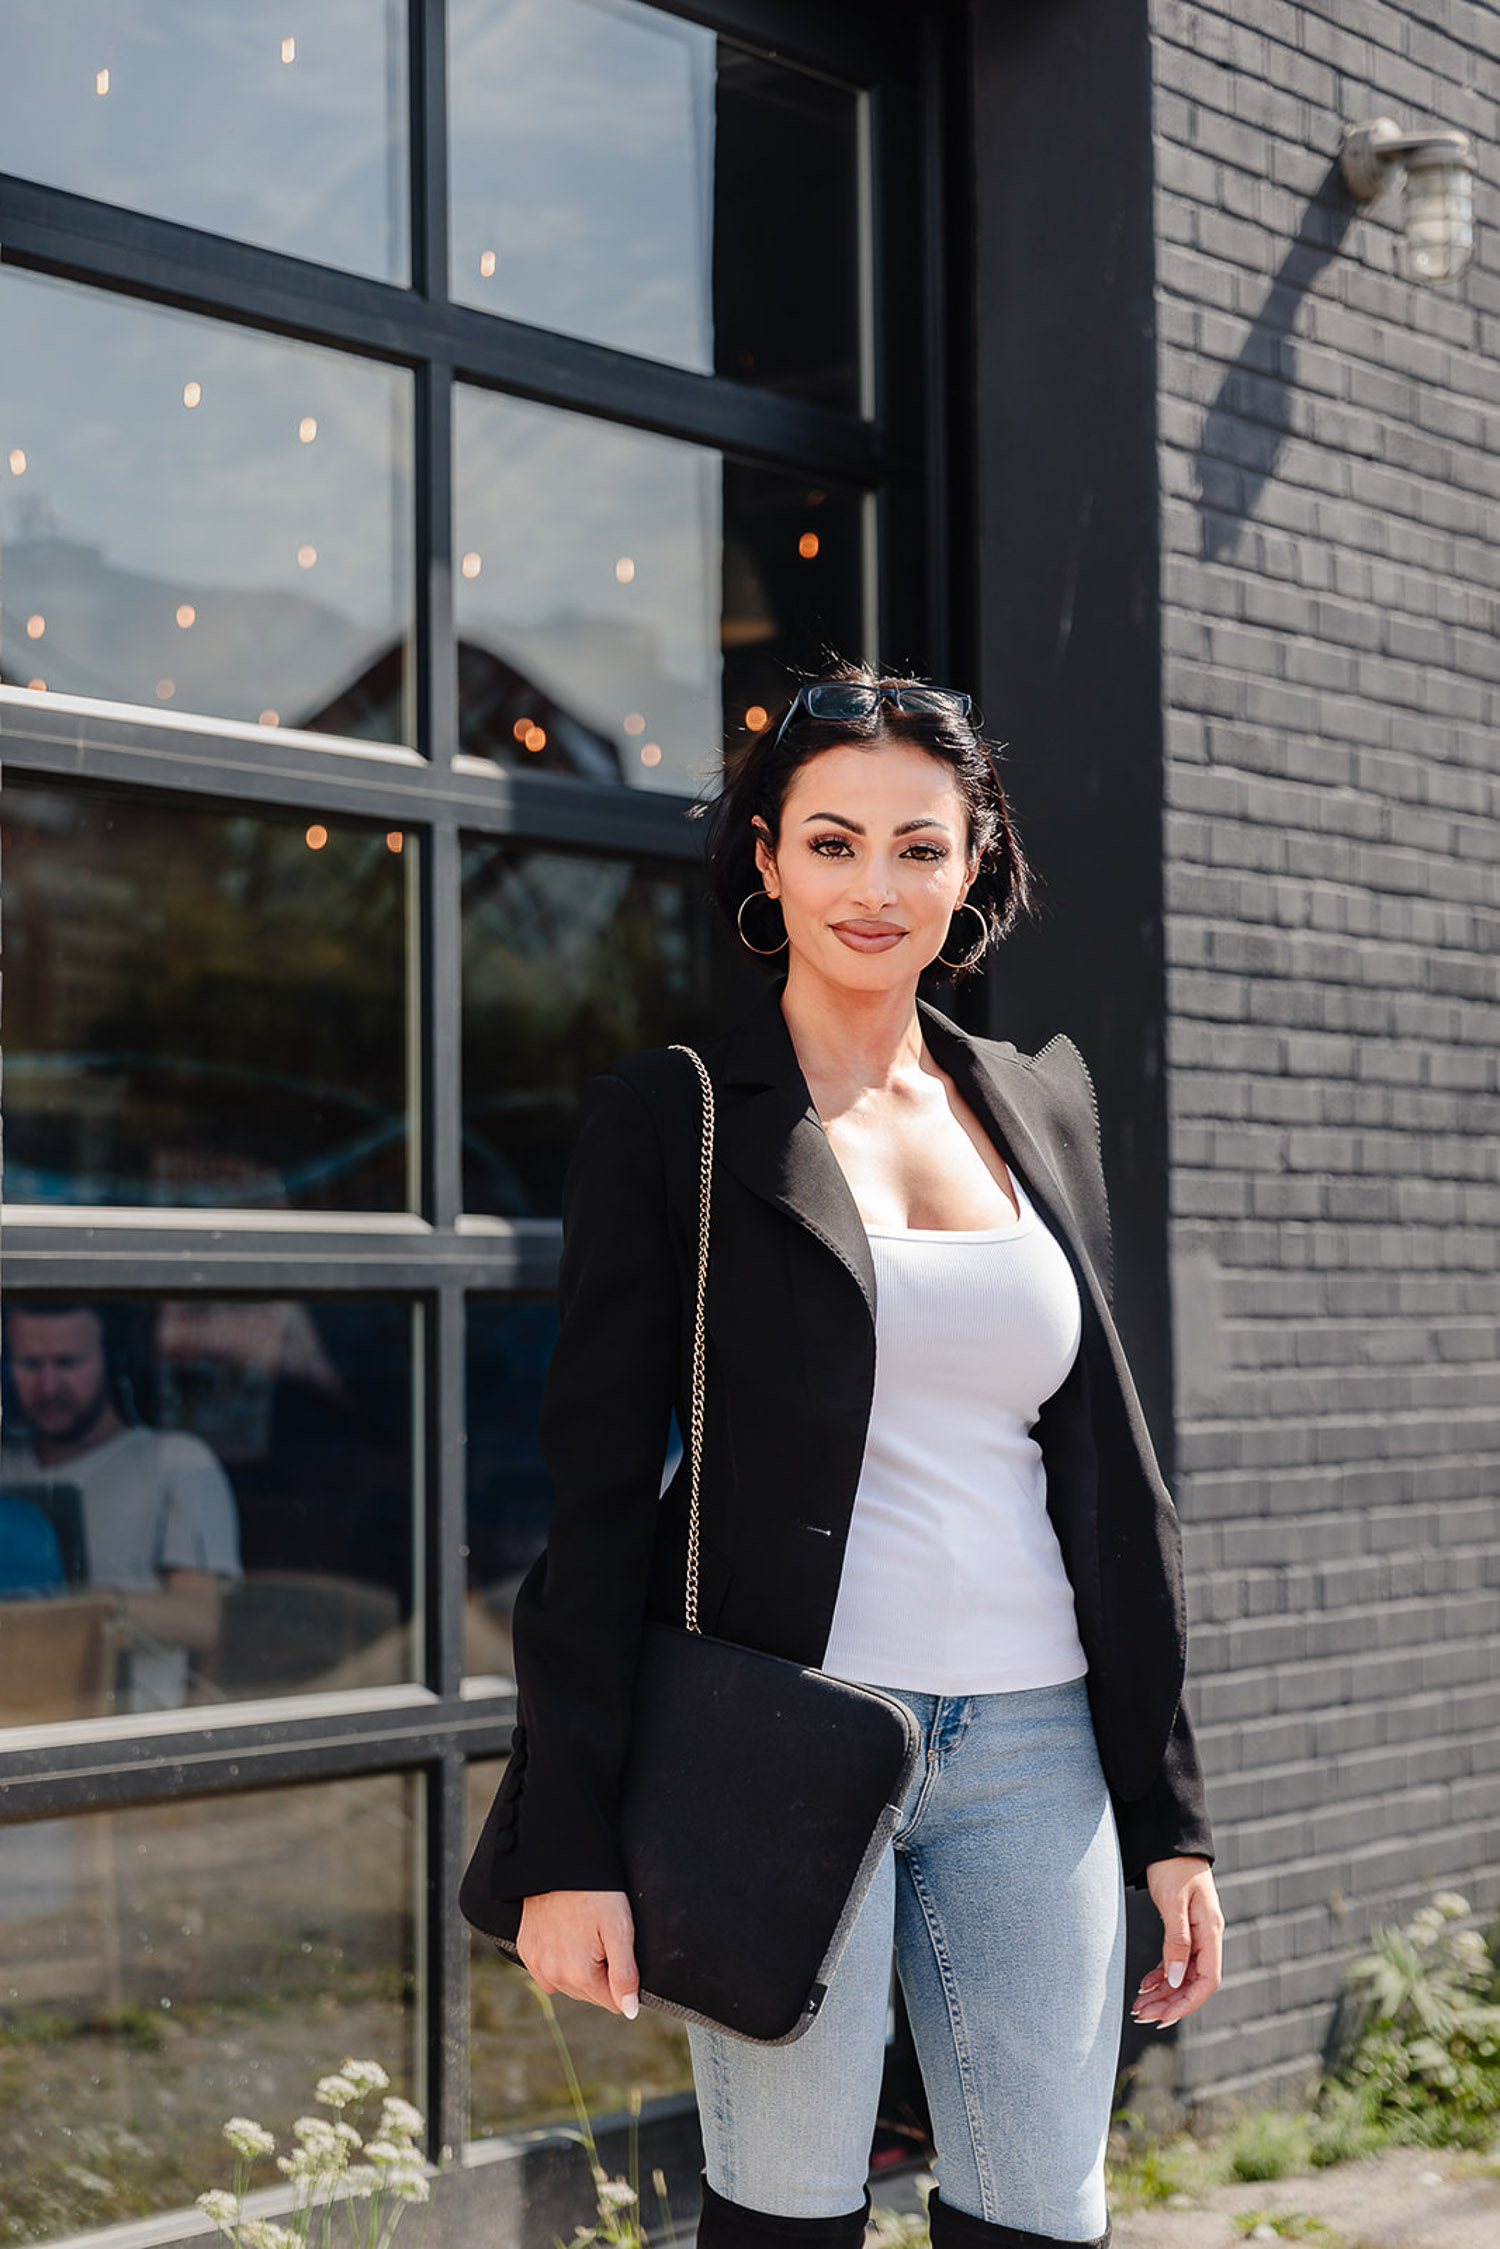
(1329, 443)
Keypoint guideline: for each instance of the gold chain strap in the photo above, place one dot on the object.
(695, 1439)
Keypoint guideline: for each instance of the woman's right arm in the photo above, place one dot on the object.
(606, 1407)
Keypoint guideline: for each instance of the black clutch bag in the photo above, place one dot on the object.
(758, 1798)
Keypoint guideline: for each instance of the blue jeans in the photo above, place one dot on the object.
(1003, 1897)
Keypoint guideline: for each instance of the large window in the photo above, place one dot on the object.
(428, 430)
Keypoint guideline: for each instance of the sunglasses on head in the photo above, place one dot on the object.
(857, 701)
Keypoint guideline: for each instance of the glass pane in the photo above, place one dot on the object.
(568, 963)
(621, 596)
(203, 1501)
(202, 519)
(282, 124)
(202, 1007)
(169, 1968)
(509, 1341)
(516, 2077)
(625, 176)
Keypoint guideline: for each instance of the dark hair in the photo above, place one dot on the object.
(758, 774)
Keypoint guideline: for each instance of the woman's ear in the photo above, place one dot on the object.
(765, 856)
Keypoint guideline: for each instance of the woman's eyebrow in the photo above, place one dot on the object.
(926, 820)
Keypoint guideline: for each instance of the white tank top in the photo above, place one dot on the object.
(953, 1580)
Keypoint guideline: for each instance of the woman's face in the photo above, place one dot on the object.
(872, 860)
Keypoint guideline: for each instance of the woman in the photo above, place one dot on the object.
(925, 1468)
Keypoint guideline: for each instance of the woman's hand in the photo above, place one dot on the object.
(1182, 1890)
(582, 1942)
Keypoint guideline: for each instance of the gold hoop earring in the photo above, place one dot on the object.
(970, 960)
(766, 952)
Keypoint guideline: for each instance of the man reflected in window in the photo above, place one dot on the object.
(156, 1520)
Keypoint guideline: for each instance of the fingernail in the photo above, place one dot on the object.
(630, 2006)
(1176, 1970)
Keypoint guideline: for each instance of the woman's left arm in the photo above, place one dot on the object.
(1188, 1972)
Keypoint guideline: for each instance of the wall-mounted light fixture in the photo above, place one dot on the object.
(1438, 236)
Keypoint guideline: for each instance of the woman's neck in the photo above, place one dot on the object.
(850, 1040)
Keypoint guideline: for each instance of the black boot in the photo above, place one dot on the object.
(955, 2229)
(729, 2225)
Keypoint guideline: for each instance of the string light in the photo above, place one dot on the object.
(625, 570)
(166, 689)
(36, 626)
(535, 738)
(270, 718)
(651, 753)
(394, 841)
(807, 545)
(191, 393)
(634, 723)
(316, 837)
(307, 428)
(17, 462)
(37, 686)
(521, 729)
(306, 557)
(471, 565)
(289, 50)
(757, 718)
(101, 81)
(186, 614)
(487, 263)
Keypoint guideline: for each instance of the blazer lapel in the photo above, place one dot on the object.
(770, 1136)
(1004, 1099)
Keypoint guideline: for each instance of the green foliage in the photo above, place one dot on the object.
(619, 2222)
(1423, 2066)
(1269, 2145)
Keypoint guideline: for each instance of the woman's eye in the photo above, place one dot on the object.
(926, 852)
(830, 847)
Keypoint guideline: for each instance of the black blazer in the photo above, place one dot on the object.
(790, 1377)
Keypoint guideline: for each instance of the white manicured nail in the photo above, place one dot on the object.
(1176, 1970)
(630, 2006)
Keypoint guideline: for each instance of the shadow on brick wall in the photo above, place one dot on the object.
(1250, 419)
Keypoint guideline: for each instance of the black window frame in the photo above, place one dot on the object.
(899, 57)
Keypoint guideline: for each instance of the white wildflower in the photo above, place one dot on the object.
(408, 2186)
(614, 2194)
(248, 2138)
(223, 2208)
(317, 2132)
(365, 2077)
(337, 2091)
(398, 2116)
(385, 2151)
(363, 2180)
(347, 2134)
(261, 2233)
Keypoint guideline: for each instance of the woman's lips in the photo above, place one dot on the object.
(868, 936)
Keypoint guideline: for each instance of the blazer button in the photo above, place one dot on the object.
(505, 1844)
(505, 1818)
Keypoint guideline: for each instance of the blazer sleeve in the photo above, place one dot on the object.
(606, 1407)
(1171, 1820)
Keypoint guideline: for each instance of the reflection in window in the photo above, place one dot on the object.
(202, 1501)
(622, 175)
(621, 598)
(509, 1491)
(168, 1968)
(515, 2077)
(202, 1007)
(568, 963)
(219, 119)
(199, 518)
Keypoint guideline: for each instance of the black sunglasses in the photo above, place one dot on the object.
(857, 701)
